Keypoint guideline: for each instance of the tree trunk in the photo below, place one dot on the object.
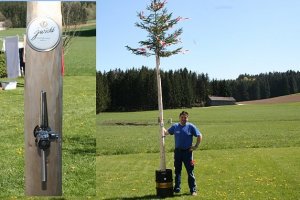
(43, 73)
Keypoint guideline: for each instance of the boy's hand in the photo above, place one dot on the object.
(193, 148)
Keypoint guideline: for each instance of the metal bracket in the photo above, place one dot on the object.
(43, 134)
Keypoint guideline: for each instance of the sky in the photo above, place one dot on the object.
(225, 38)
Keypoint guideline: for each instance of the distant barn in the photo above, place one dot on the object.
(220, 101)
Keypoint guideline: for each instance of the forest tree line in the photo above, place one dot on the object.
(136, 89)
(13, 13)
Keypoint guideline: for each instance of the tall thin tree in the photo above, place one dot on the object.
(157, 23)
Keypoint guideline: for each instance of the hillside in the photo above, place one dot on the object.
(281, 99)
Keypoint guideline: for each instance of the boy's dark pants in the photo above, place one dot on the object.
(184, 156)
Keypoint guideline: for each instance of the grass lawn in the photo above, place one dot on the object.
(248, 152)
(83, 48)
(263, 173)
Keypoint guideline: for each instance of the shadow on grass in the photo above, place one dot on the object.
(87, 33)
(80, 145)
(124, 123)
(20, 84)
(149, 197)
(84, 33)
(140, 197)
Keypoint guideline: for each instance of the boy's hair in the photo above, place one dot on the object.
(184, 113)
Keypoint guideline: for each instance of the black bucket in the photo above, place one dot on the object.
(164, 183)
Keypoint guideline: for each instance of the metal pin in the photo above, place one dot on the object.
(44, 174)
(44, 113)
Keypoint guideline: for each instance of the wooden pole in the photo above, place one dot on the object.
(43, 73)
(163, 176)
(161, 118)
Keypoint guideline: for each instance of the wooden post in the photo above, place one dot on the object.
(163, 176)
(43, 73)
(161, 117)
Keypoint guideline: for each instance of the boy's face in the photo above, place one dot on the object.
(183, 119)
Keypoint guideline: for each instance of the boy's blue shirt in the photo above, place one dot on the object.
(184, 134)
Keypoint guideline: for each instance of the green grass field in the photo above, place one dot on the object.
(79, 142)
(248, 152)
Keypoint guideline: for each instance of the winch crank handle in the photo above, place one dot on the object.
(43, 169)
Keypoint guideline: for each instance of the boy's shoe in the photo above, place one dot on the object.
(176, 190)
(194, 193)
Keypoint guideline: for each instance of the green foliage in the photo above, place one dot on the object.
(157, 24)
(15, 12)
(2, 17)
(102, 93)
(73, 12)
(76, 12)
(91, 10)
(247, 152)
(3, 72)
(8, 23)
(249, 87)
(135, 89)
